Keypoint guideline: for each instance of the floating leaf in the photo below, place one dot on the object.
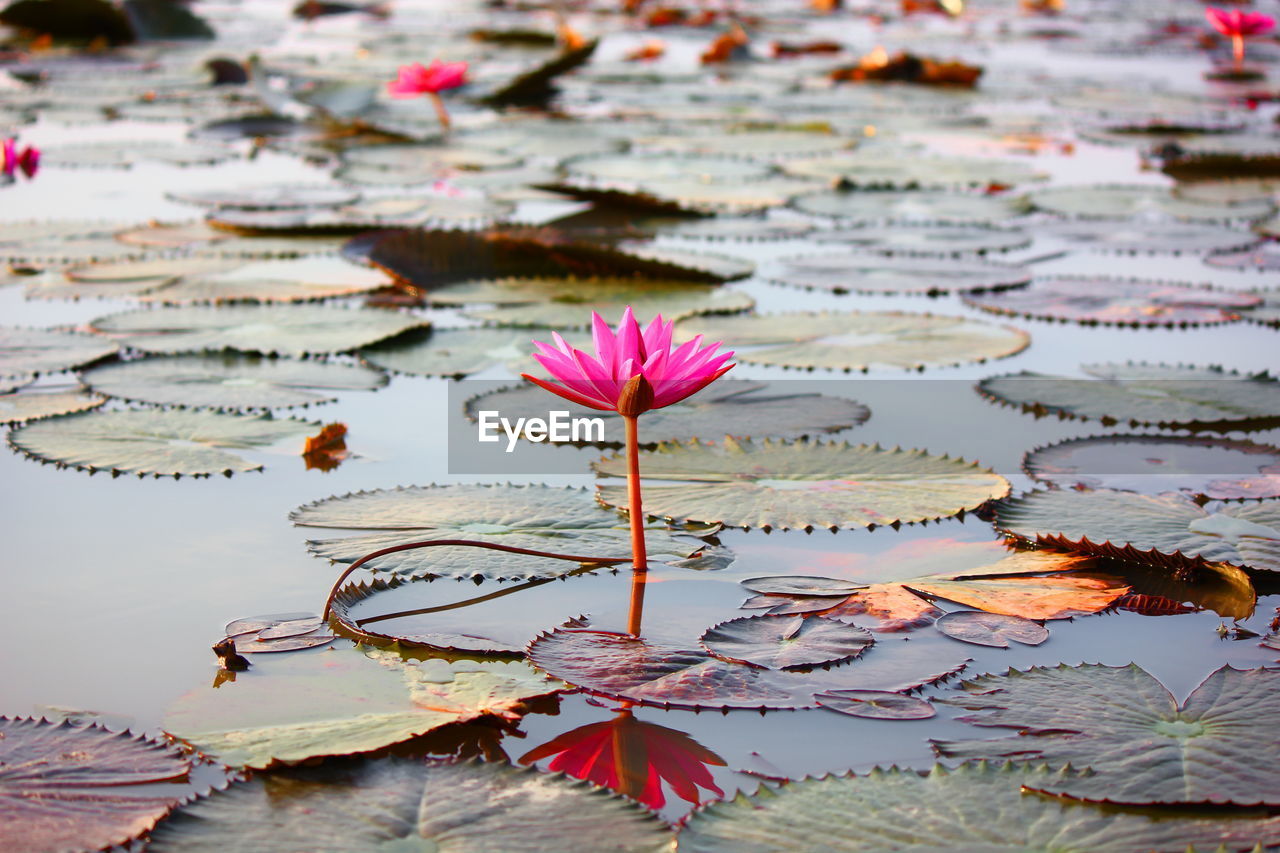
(1226, 590)
(1168, 530)
(631, 669)
(764, 145)
(230, 381)
(943, 240)
(802, 484)
(327, 449)
(407, 804)
(851, 341)
(268, 196)
(536, 517)
(786, 642)
(876, 169)
(1262, 256)
(452, 352)
(977, 806)
(74, 787)
(1218, 469)
(420, 164)
(278, 632)
(1142, 746)
(756, 409)
(171, 442)
(390, 212)
(869, 273)
(912, 206)
(1268, 312)
(567, 302)
(637, 171)
(1168, 396)
(295, 330)
(1117, 302)
(876, 705)
(1175, 238)
(1026, 584)
(1128, 202)
(28, 352)
(33, 404)
(125, 154)
(290, 708)
(748, 228)
(991, 629)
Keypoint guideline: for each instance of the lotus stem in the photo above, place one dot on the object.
(1237, 51)
(441, 112)
(468, 543)
(635, 511)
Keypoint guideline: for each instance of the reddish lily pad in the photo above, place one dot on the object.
(786, 642)
(991, 629)
(1118, 302)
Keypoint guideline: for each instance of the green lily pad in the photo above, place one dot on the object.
(566, 521)
(230, 381)
(1168, 396)
(295, 330)
(786, 642)
(29, 352)
(420, 163)
(690, 196)
(977, 806)
(1117, 302)
(1175, 238)
(34, 404)
(1127, 202)
(268, 196)
(802, 484)
(638, 171)
(755, 409)
(78, 787)
(851, 341)
(763, 145)
(857, 272)
(876, 705)
(1141, 744)
(389, 212)
(407, 804)
(1217, 469)
(125, 154)
(747, 228)
(942, 240)
(991, 629)
(912, 206)
(1169, 530)
(156, 442)
(546, 139)
(291, 708)
(876, 169)
(453, 352)
(568, 302)
(62, 241)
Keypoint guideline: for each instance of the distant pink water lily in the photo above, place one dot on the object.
(415, 79)
(1238, 26)
(11, 159)
(599, 382)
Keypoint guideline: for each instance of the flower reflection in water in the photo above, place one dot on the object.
(633, 757)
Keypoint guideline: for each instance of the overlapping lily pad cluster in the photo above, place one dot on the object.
(744, 182)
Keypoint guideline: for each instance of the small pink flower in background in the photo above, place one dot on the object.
(413, 80)
(11, 159)
(598, 382)
(1237, 26)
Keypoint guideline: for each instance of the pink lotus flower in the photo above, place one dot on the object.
(28, 160)
(1237, 23)
(413, 80)
(600, 382)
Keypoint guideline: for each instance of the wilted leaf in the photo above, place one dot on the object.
(327, 449)
(278, 632)
(991, 629)
(1142, 745)
(786, 642)
(802, 484)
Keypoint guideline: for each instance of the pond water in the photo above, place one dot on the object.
(118, 586)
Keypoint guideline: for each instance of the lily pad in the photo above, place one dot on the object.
(34, 404)
(1127, 202)
(786, 642)
(290, 708)
(876, 705)
(631, 669)
(871, 273)
(1169, 530)
(1263, 257)
(1217, 469)
(991, 629)
(1267, 313)
(156, 442)
(74, 787)
(268, 196)
(1168, 396)
(295, 330)
(851, 341)
(756, 409)
(977, 806)
(638, 171)
(1025, 584)
(691, 195)
(567, 302)
(543, 518)
(876, 169)
(389, 212)
(406, 804)
(1175, 238)
(942, 240)
(125, 154)
(802, 484)
(765, 145)
(1141, 744)
(748, 228)
(1117, 302)
(452, 352)
(912, 206)
(278, 632)
(230, 381)
(29, 352)
(420, 164)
